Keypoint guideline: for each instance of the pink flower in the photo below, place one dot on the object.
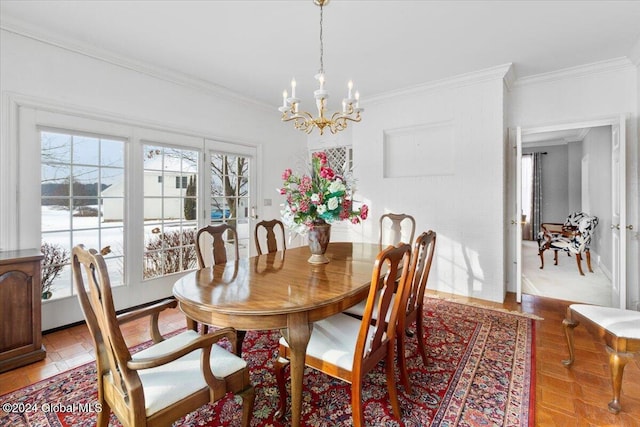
(283, 191)
(355, 220)
(322, 156)
(364, 211)
(326, 173)
(304, 206)
(305, 184)
(286, 174)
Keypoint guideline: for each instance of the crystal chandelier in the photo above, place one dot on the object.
(305, 121)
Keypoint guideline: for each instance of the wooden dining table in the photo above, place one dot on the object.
(280, 290)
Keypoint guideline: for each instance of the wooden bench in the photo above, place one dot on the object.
(620, 330)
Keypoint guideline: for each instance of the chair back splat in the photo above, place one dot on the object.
(393, 226)
(165, 381)
(348, 348)
(270, 236)
(221, 235)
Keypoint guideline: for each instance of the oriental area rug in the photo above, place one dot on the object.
(479, 373)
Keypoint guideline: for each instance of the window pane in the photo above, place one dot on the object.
(56, 148)
(72, 204)
(56, 214)
(84, 215)
(111, 153)
(86, 151)
(113, 239)
(152, 158)
(110, 177)
(170, 210)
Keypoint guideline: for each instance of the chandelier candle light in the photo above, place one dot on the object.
(305, 121)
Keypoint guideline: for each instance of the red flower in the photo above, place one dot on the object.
(286, 174)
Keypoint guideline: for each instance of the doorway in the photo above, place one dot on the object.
(566, 171)
(580, 185)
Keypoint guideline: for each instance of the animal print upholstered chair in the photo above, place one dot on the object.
(576, 242)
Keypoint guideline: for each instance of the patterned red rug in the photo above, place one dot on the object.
(480, 372)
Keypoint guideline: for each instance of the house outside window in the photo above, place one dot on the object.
(170, 210)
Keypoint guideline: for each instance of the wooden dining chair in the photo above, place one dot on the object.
(267, 228)
(412, 303)
(392, 226)
(164, 382)
(347, 348)
(221, 234)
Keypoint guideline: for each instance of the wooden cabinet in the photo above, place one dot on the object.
(20, 314)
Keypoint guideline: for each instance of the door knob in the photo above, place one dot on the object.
(616, 226)
(630, 227)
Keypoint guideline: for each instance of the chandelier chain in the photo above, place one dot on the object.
(321, 43)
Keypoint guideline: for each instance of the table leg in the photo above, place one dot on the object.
(298, 333)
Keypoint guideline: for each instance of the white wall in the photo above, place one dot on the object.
(448, 146)
(47, 77)
(592, 92)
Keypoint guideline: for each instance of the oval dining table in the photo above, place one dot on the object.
(280, 290)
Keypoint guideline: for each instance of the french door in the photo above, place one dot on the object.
(230, 194)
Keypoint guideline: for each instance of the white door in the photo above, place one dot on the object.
(618, 215)
(230, 174)
(518, 214)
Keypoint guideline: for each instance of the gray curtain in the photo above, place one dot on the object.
(536, 194)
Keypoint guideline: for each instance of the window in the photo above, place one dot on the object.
(181, 181)
(340, 159)
(82, 201)
(170, 211)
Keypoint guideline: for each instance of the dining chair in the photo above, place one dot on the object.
(267, 228)
(348, 348)
(165, 381)
(392, 226)
(412, 302)
(220, 234)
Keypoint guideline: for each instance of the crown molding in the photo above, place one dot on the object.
(85, 49)
(609, 65)
(487, 74)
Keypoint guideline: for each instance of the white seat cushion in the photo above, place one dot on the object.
(358, 309)
(334, 340)
(176, 380)
(622, 323)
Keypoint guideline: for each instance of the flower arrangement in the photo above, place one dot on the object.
(321, 196)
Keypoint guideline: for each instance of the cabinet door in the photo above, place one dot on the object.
(16, 315)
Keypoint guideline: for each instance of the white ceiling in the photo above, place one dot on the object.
(253, 48)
